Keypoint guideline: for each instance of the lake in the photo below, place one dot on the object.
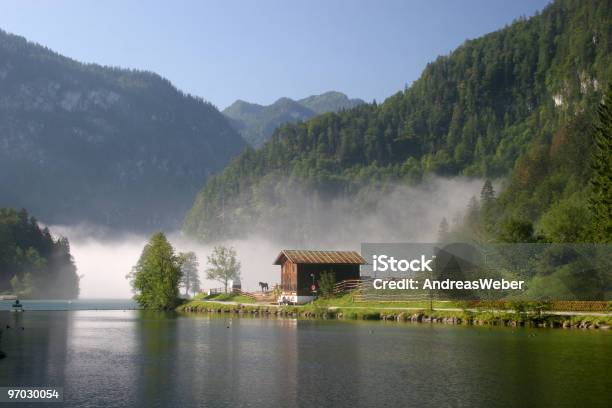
(134, 358)
(77, 304)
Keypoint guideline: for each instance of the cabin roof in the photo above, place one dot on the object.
(319, 257)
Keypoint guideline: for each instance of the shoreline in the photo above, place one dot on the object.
(463, 317)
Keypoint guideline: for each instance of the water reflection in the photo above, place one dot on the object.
(144, 359)
(222, 361)
(36, 349)
(103, 356)
(157, 338)
(328, 359)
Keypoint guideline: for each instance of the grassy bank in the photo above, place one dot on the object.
(225, 297)
(331, 309)
(348, 300)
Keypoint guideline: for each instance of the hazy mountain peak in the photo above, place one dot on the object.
(331, 101)
(240, 107)
(256, 122)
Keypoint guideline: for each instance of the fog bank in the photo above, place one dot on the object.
(401, 214)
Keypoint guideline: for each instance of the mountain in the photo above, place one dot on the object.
(256, 123)
(331, 101)
(100, 145)
(484, 110)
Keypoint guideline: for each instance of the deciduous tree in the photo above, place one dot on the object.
(223, 265)
(155, 278)
(190, 279)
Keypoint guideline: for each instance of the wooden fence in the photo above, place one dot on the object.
(349, 285)
(358, 287)
(247, 294)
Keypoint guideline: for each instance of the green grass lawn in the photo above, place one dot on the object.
(225, 297)
(347, 300)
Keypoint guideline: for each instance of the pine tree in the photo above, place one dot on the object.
(601, 179)
(473, 212)
(443, 230)
(487, 208)
(487, 195)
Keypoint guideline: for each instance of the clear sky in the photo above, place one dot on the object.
(260, 50)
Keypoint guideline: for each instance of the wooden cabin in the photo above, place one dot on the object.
(299, 269)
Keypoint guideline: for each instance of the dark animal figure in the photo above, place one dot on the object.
(264, 286)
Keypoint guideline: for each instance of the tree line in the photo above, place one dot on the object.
(160, 272)
(560, 192)
(34, 264)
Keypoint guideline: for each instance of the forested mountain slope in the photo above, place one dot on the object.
(33, 264)
(474, 112)
(85, 143)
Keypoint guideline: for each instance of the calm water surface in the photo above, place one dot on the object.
(135, 358)
(78, 304)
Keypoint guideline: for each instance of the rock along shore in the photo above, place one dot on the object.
(482, 318)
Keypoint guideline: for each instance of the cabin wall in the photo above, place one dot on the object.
(304, 280)
(289, 277)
